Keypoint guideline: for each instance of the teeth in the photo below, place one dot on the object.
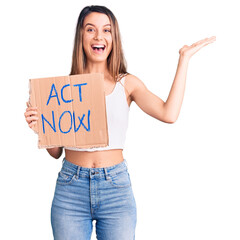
(98, 46)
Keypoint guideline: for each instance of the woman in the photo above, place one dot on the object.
(94, 184)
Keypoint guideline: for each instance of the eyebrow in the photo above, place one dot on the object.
(94, 25)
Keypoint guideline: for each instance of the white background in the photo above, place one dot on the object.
(185, 175)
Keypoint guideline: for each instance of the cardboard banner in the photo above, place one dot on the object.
(71, 111)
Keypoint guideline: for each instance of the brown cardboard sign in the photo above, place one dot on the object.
(71, 111)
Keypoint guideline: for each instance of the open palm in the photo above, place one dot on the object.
(189, 51)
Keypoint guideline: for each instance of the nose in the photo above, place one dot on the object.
(98, 36)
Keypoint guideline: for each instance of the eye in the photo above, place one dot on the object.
(107, 30)
(90, 30)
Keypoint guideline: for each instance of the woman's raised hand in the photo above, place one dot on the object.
(188, 51)
(31, 116)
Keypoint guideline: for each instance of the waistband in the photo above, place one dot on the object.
(106, 172)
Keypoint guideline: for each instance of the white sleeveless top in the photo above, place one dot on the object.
(117, 119)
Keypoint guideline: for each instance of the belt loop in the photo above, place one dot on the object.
(78, 170)
(106, 174)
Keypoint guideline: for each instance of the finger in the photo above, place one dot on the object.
(31, 125)
(211, 39)
(206, 43)
(203, 40)
(198, 42)
(29, 113)
(201, 44)
(30, 120)
(31, 109)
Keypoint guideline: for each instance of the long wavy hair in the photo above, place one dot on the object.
(116, 62)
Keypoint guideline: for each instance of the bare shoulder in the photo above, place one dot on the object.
(132, 84)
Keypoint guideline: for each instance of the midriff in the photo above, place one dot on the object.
(96, 159)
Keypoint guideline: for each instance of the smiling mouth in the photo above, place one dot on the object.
(98, 48)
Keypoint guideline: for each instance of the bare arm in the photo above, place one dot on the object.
(55, 152)
(174, 101)
(153, 105)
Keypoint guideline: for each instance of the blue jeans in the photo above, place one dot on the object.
(86, 194)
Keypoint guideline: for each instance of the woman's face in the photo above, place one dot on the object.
(97, 37)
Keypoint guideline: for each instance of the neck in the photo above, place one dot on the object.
(97, 68)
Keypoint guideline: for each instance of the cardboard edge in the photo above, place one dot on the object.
(104, 99)
(70, 146)
(32, 103)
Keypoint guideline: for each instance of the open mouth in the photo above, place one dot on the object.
(98, 48)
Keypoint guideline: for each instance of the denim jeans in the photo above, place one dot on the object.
(86, 194)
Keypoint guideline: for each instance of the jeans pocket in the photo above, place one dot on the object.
(65, 177)
(120, 180)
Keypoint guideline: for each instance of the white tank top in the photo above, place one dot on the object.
(117, 119)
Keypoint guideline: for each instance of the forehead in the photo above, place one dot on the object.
(97, 19)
